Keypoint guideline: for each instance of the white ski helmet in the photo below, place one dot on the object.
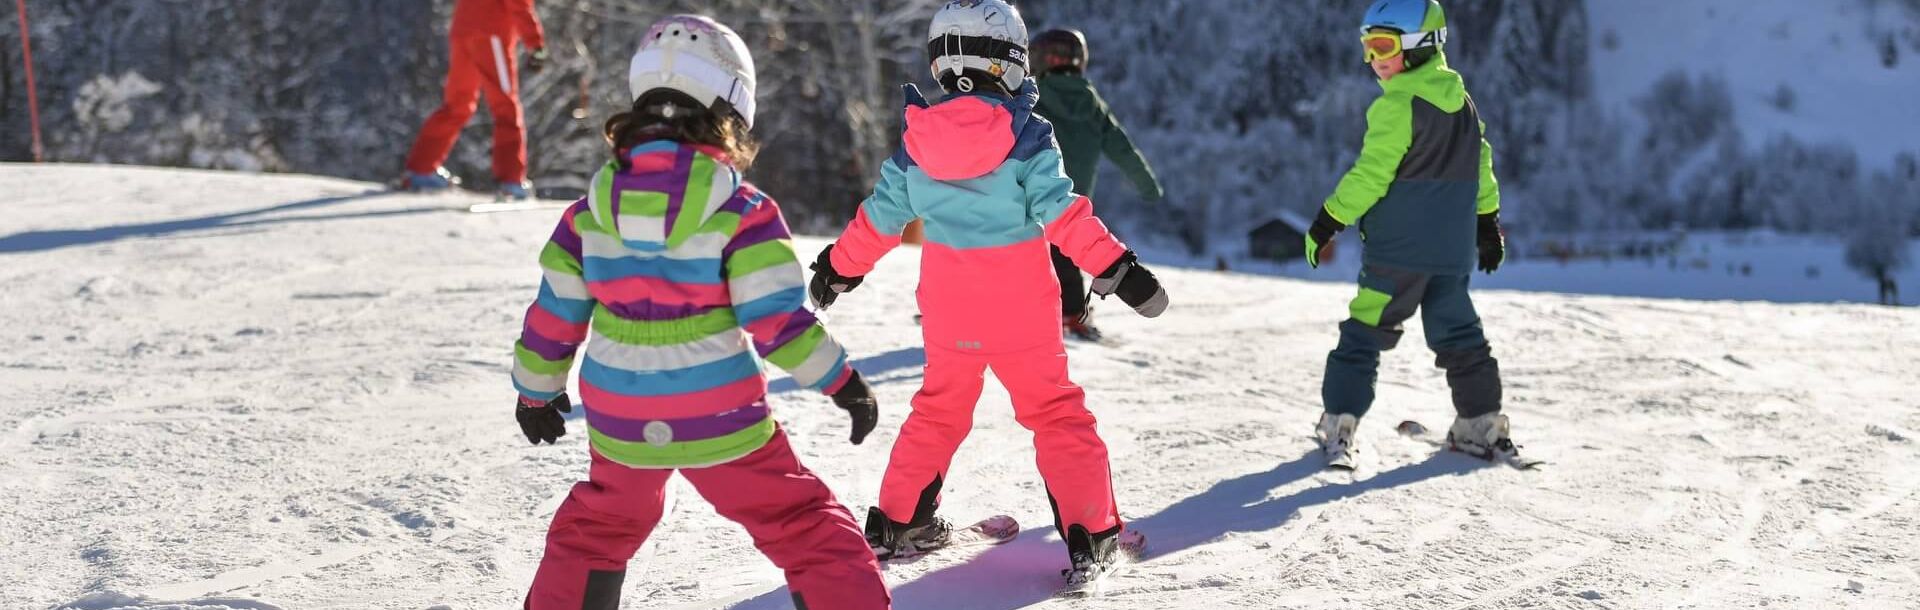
(976, 39)
(697, 56)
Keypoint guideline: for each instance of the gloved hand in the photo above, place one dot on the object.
(1492, 242)
(542, 421)
(1135, 285)
(537, 61)
(828, 284)
(1320, 234)
(862, 409)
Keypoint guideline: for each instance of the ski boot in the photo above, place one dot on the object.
(1081, 327)
(1337, 437)
(891, 539)
(514, 191)
(1096, 555)
(435, 182)
(1484, 437)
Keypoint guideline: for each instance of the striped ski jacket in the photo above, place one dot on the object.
(680, 279)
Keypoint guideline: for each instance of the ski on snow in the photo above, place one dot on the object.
(518, 206)
(543, 198)
(1414, 430)
(995, 530)
(1345, 461)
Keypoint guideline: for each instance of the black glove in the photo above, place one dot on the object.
(828, 284)
(542, 422)
(1135, 285)
(1492, 241)
(861, 407)
(1320, 234)
(536, 61)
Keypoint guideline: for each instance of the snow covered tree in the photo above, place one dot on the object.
(1879, 247)
(1243, 106)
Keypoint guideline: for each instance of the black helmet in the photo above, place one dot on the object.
(1059, 51)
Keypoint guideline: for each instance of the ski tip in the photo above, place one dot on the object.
(1410, 428)
(1526, 463)
(998, 528)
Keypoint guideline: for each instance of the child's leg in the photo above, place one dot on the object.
(942, 415)
(1071, 456)
(794, 519)
(1459, 346)
(593, 535)
(457, 104)
(1387, 298)
(503, 100)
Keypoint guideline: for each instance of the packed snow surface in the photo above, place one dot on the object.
(252, 392)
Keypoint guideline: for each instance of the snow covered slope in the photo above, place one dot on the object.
(1823, 52)
(235, 391)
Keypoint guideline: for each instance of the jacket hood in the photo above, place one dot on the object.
(657, 193)
(1434, 81)
(965, 135)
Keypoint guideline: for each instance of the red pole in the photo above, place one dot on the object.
(33, 98)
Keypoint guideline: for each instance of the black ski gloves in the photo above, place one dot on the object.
(542, 422)
(828, 284)
(537, 61)
(1492, 241)
(862, 409)
(1321, 234)
(1135, 285)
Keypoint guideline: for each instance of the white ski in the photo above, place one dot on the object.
(998, 529)
(517, 206)
(1413, 430)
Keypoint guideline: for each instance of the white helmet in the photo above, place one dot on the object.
(697, 56)
(973, 39)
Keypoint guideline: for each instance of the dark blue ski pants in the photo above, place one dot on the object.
(1389, 297)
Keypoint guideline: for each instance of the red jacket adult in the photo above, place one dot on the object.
(508, 19)
(482, 60)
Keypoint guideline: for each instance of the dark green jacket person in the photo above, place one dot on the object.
(1086, 131)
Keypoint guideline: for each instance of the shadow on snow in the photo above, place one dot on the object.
(40, 241)
(1027, 571)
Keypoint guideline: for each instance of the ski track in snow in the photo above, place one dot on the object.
(234, 391)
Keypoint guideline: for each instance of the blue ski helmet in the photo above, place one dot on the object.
(1421, 23)
(1407, 16)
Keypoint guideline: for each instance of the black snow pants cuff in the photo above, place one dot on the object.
(1073, 287)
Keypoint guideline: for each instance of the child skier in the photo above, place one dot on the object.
(984, 175)
(677, 269)
(1086, 130)
(1424, 194)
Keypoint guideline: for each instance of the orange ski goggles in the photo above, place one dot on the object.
(1386, 45)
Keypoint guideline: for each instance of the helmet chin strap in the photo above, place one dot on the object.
(950, 43)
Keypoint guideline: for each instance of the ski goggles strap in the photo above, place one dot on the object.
(976, 46)
(1385, 45)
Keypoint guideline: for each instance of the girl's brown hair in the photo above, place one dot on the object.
(717, 127)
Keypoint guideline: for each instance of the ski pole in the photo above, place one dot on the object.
(33, 97)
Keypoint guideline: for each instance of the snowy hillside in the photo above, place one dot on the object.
(279, 392)
(1824, 54)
